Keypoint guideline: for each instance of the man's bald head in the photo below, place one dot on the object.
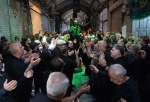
(117, 74)
(57, 84)
(118, 69)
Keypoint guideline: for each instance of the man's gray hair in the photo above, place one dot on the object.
(12, 47)
(101, 42)
(118, 69)
(57, 84)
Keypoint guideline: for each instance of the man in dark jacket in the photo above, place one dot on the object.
(17, 69)
(125, 87)
(6, 87)
(57, 85)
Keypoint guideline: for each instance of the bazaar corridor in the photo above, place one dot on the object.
(74, 50)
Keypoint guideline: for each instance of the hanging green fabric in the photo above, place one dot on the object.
(75, 29)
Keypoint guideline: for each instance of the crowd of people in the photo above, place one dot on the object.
(118, 72)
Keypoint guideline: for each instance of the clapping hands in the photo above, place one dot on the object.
(9, 86)
(94, 69)
(35, 60)
(29, 73)
(102, 61)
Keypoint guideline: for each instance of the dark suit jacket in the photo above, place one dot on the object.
(128, 91)
(15, 68)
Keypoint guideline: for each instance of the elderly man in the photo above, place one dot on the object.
(100, 84)
(57, 85)
(5, 86)
(17, 69)
(125, 88)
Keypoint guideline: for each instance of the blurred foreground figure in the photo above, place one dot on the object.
(17, 69)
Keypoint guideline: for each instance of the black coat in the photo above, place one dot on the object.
(15, 69)
(127, 91)
(101, 87)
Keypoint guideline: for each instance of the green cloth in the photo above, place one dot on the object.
(75, 29)
(79, 77)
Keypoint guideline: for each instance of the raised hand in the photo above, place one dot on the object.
(122, 100)
(29, 73)
(35, 61)
(94, 69)
(53, 43)
(9, 86)
(102, 62)
(85, 89)
(77, 52)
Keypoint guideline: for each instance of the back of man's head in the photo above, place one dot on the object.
(57, 84)
(118, 69)
(57, 64)
(117, 74)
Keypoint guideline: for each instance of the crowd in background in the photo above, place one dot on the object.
(118, 72)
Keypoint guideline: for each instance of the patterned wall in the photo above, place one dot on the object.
(14, 21)
(4, 19)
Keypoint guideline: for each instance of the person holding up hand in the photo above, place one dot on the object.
(17, 69)
(7, 87)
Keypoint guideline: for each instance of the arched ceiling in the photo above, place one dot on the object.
(61, 6)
